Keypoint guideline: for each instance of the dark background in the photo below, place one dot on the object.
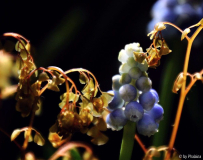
(89, 35)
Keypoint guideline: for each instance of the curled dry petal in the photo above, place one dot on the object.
(152, 52)
(151, 152)
(98, 105)
(198, 76)
(23, 54)
(88, 89)
(24, 106)
(93, 132)
(35, 87)
(164, 50)
(178, 83)
(98, 137)
(152, 33)
(157, 41)
(86, 104)
(15, 134)
(155, 152)
(43, 77)
(139, 56)
(83, 78)
(56, 140)
(28, 47)
(38, 107)
(30, 137)
(57, 79)
(39, 139)
(107, 98)
(159, 26)
(174, 153)
(100, 140)
(85, 116)
(143, 66)
(153, 58)
(100, 123)
(72, 97)
(52, 86)
(184, 34)
(19, 45)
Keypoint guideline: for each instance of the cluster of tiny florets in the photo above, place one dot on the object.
(134, 99)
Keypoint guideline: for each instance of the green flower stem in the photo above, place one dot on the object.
(127, 141)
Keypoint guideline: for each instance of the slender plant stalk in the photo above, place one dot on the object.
(68, 146)
(18, 145)
(140, 143)
(127, 141)
(193, 80)
(183, 93)
(83, 70)
(29, 131)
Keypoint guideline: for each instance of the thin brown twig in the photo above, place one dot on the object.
(140, 143)
(183, 93)
(69, 145)
(8, 135)
(29, 131)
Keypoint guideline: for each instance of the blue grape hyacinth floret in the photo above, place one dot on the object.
(134, 99)
(117, 101)
(134, 111)
(116, 119)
